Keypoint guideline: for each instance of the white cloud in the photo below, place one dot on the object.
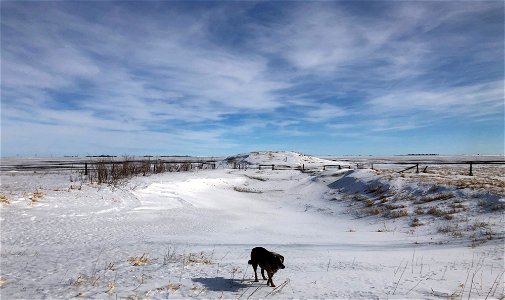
(324, 112)
(484, 99)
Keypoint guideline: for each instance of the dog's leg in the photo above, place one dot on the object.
(255, 267)
(270, 275)
(263, 273)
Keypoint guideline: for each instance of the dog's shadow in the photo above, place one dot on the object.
(221, 284)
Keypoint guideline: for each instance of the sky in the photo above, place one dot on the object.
(221, 78)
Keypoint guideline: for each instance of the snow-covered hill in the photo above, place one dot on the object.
(278, 158)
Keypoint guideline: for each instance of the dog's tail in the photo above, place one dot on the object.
(250, 262)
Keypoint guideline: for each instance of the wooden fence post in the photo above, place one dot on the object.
(471, 173)
(85, 168)
(272, 166)
(417, 168)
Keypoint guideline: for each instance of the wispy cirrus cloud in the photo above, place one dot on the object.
(232, 74)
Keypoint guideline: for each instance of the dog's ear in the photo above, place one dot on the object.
(281, 258)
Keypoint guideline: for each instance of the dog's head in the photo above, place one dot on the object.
(279, 260)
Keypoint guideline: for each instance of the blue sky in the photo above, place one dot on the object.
(219, 78)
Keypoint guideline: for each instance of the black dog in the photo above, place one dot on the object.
(269, 261)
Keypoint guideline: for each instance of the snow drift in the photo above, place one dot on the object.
(184, 235)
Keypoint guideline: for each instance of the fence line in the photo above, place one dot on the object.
(87, 165)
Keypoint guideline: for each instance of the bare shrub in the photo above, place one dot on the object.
(160, 167)
(452, 230)
(394, 206)
(102, 172)
(359, 197)
(170, 256)
(437, 197)
(458, 207)
(375, 211)
(448, 217)
(398, 213)
(433, 189)
(419, 210)
(415, 222)
(185, 167)
(115, 173)
(497, 207)
(434, 211)
(376, 190)
(478, 225)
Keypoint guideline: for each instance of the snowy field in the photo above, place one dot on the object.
(344, 233)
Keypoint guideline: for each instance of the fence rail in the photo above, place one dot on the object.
(433, 163)
(85, 165)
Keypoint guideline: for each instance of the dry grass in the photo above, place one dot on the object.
(169, 287)
(4, 199)
(199, 258)
(139, 260)
(246, 190)
(36, 196)
(111, 286)
(85, 280)
(256, 178)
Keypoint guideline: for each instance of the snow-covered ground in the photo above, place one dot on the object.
(344, 233)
